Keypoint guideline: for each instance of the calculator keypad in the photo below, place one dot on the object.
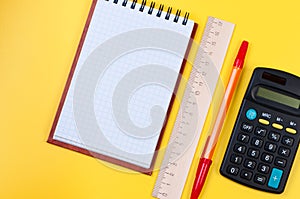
(262, 148)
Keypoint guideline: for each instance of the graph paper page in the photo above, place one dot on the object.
(134, 90)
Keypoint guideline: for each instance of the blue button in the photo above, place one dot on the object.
(275, 178)
(251, 114)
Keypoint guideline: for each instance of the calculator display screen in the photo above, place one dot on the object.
(278, 97)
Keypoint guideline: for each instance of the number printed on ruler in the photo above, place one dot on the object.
(193, 109)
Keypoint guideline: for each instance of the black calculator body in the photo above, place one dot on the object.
(266, 134)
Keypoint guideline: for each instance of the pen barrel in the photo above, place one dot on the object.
(206, 157)
(218, 122)
(202, 171)
(231, 86)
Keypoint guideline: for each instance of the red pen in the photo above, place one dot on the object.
(206, 156)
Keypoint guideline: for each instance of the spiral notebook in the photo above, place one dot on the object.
(121, 85)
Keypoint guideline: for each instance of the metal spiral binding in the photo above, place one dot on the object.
(160, 9)
(159, 12)
(186, 18)
(124, 3)
(168, 13)
(143, 5)
(133, 4)
(151, 8)
(177, 16)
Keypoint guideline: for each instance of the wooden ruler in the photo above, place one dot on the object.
(193, 109)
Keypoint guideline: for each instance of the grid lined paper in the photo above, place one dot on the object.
(110, 20)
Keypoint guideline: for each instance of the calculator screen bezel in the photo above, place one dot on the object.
(290, 86)
(273, 103)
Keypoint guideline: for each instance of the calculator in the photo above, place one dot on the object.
(265, 137)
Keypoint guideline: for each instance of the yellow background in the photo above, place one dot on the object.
(38, 40)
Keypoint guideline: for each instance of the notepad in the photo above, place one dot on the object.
(121, 85)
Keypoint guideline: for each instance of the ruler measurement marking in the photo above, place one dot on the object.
(172, 177)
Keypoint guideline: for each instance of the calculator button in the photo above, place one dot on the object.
(280, 162)
(275, 178)
(270, 147)
(274, 136)
(246, 174)
(277, 126)
(264, 122)
(251, 114)
(253, 153)
(260, 179)
(250, 164)
(290, 130)
(263, 168)
(267, 157)
(257, 142)
(236, 159)
(287, 141)
(284, 151)
(233, 170)
(239, 148)
(243, 138)
(260, 131)
(247, 127)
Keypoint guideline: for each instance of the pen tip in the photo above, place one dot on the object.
(240, 58)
